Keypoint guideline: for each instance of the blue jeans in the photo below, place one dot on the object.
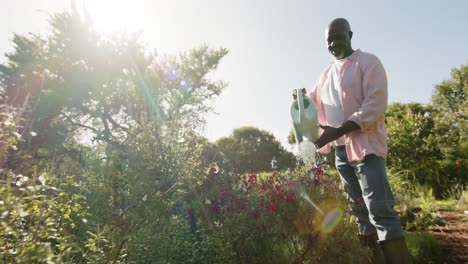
(371, 199)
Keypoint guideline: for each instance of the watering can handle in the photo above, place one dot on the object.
(300, 102)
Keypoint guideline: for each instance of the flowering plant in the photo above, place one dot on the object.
(270, 217)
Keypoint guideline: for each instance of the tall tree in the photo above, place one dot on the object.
(451, 125)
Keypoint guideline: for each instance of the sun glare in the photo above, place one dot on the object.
(116, 15)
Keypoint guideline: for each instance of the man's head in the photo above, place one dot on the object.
(338, 36)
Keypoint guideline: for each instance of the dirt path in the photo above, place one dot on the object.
(454, 236)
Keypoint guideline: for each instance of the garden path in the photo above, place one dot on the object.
(454, 236)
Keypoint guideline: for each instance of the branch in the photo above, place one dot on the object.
(113, 122)
(79, 124)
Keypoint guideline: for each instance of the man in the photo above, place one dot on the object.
(351, 99)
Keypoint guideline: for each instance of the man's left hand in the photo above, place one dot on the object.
(333, 133)
(329, 134)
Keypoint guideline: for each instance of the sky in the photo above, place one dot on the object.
(275, 46)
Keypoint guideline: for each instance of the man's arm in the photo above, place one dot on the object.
(374, 85)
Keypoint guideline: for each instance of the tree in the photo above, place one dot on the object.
(451, 123)
(79, 82)
(140, 114)
(250, 149)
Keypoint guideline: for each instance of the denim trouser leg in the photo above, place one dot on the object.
(370, 196)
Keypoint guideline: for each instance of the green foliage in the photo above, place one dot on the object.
(250, 149)
(424, 248)
(37, 220)
(451, 123)
(411, 144)
(9, 119)
(173, 242)
(138, 115)
(430, 141)
(415, 204)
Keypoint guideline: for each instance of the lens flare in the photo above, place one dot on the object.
(185, 86)
(331, 220)
(324, 218)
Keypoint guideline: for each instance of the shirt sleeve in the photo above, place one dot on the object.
(374, 84)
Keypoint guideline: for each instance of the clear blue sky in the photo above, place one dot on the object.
(277, 45)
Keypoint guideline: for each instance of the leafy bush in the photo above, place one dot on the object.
(38, 221)
(411, 143)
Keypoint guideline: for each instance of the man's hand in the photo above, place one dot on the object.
(333, 133)
(329, 134)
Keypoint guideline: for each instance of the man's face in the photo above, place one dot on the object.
(338, 41)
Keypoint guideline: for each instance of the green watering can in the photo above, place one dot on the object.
(305, 123)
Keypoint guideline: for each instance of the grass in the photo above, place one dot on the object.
(424, 248)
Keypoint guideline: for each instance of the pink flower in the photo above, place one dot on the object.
(280, 195)
(274, 207)
(316, 170)
(252, 177)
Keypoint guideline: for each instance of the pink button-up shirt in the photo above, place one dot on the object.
(363, 95)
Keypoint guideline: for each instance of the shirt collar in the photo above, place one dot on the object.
(351, 57)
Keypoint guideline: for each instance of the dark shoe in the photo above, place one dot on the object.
(396, 252)
(371, 242)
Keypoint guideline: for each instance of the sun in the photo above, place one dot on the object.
(116, 15)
